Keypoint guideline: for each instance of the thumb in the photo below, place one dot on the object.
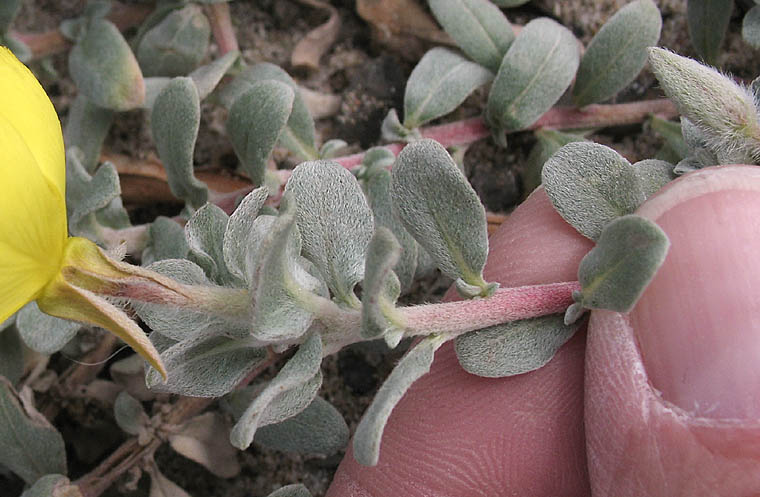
(673, 389)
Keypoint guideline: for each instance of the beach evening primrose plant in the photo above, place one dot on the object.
(39, 260)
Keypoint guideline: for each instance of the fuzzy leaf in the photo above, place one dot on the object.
(86, 128)
(42, 332)
(175, 120)
(412, 366)
(239, 226)
(296, 490)
(708, 21)
(11, 355)
(129, 414)
(614, 274)
(378, 186)
(319, 429)
(335, 224)
(281, 292)
(653, 174)
(200, 367)
(86, 195)
(199, 440)
(166, 240)
(104, 68)
(256, 121)
(440, 82)
(8, 11)
(751, 27)
(537, 69)
(52, 486)
(381, 286)
(480, 29)
(512, 348)
(290, 392)
(617, 53)
(176, 45)
(298, 136)
(675, 147)
(548, 141)
(207, 77)
(205, 237)
(29, 445)
(590, 185)
(440, 209)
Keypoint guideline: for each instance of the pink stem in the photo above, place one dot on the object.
(506, 304)
(221, 26)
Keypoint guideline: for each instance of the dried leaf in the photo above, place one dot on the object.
(318, 41)
(200, 439)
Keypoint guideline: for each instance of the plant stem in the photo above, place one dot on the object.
(221, 25)
(506, 304)
(471, 130)
(131, 453)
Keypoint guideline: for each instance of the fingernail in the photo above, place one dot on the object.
(698, 323)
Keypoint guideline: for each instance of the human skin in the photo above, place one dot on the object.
(661, 402)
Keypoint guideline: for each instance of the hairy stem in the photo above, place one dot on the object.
(506, 304)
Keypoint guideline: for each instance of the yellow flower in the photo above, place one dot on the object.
(38, 261)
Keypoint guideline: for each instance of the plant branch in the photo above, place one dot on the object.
(506, 304)
(131, 453)
(221, 25)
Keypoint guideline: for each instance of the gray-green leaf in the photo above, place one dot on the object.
(11, 354)
(480, 29)
(617, 53)
(615, 273)
(29, 445)
(235, 245)
(175, 120)
(255, 122)
(44, 333)
(205, 237)
(129, 414)
(166, 240)
(298, 136)
(104, 68)
(438, 84)
(378, 186)
(176, 45)
(653, 174)
(512, 348)
(283, 287)
(335, 223)
(440, 209)
(590, 185)
(751, 27)
(201, 367)
(86, 128)
(708, 21)
(298, 372)
(318, 429)
(536, 70)
(412, 366)
(548, 141)
(381, 286)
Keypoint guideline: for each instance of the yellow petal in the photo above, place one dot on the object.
(26, 106)
(32, 223)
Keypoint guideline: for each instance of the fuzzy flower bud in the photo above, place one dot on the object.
(722, 110)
